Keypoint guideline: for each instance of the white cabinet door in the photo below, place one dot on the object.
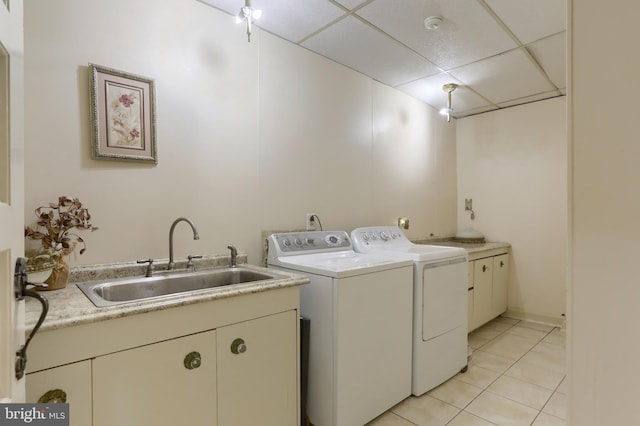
(166, 383)
(482, 291)
(258, 372)
(500, 284)
(470, 291)
(470, 322)
(69, 383)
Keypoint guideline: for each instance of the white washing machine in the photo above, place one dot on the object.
(359, 307)
(439, 306)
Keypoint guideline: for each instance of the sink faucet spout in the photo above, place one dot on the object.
(234, 255)
(172, 265)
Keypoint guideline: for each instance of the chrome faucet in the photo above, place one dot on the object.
(173, 225)
(234, 256)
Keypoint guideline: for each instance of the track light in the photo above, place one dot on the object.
(248, 14)
(449, 87)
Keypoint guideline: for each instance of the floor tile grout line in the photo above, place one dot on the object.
(404, 418)
(486, 389)
(501, 374)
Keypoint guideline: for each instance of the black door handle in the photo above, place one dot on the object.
(21, 291)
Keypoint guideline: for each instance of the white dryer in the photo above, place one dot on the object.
(439, 302)
(359, 307)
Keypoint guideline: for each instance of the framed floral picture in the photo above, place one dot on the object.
(123, 120)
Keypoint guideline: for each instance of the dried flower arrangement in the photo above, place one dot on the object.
(54, 232)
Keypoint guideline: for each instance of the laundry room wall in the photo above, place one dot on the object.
(251, 136)
(513, 164)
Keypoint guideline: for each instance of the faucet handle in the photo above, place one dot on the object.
(190, 263)
(149, 271)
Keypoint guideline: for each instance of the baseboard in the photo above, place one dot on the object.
(542, 319)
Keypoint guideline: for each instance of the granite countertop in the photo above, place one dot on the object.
(69, 306)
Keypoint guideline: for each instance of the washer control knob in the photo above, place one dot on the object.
(384, 235)
(332, 240)
(298, 242)
(310, 241)
(365, 236)
(286, 242)
(374, 236)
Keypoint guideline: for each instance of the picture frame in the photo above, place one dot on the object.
(123, 118)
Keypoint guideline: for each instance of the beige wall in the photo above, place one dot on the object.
(251, 136)
(604, 298)
(513, 164)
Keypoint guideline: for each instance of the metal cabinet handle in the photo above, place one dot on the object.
(192, 361)
(484, 268)
(238, 346)
(501, 263)
(54, 396)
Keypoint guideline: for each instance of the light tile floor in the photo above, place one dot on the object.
(516, 377)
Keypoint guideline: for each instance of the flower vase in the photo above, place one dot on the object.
(59, 276)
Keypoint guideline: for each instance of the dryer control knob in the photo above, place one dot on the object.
(286, 242)
(384, 235)
(298, 242)
(310, 241)
(365, 236)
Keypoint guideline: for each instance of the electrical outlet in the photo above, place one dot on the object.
(311, 222)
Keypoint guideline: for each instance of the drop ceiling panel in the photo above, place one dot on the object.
(531, 20)
(386, 40)
(468, 32)
(362, 48)
(289, 19)
(476, 111)
(429, 90)
(551, 54)
(503, 77)
(528, 99)
(351, 4)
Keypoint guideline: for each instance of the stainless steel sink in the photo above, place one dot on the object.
(125, 290)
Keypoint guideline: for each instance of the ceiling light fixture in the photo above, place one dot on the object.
(449, 87)
(248, 14)
(433, 22)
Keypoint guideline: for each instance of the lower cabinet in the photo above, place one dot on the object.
(500, 284)
(166, 383)
(489, 280)
(69, 383)
(240, 374)
(257, 374)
